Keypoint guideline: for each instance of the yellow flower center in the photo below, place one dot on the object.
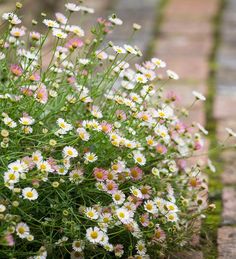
(94, 234)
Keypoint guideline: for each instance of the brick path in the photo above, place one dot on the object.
(185, 43)
(225, 114)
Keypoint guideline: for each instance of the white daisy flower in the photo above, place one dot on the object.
(119, 50)
(50, 23)
(62, 170)
(172, 217)
(165, 113)
(91, 213)
(118, 197)
(83, 134)
(76, 30)
(2, 55)
(141, 248)
(231, 132)
(86, 9)
(16, 166)
(172, 75)
(139, 158)
(30, 193)
(130, 49)
(202, 129)
(124, 215)
(59, 33)
(70, 152)
(78, 245)
(211, 166)
(44, 166)
(199, 96)
(90, 157)
(64, 125)
(158, 62)
(115, 20)
(94, 235)
(136, 26)
(61, 18)
(9, 122)
(136, 192)
(26, 120)
(22, 230)
(150, 207)
(72, 7)
(37, 157)
(12, 18)
(150, 141)
(140, 78)
(11, 177)
(171, 207)
(102, 55)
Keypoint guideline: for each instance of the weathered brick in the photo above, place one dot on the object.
(192, 9)
(224, 107)
(229, 205)
(227, 243)
(188, 255)
(182, 45)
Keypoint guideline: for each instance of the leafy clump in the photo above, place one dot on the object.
(93, 153)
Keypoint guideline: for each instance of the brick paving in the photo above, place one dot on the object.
(135, 11)
(185, 43)
(226, 117)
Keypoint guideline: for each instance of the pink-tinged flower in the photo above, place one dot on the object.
(35, 182)
(182, 164)
(111, 186)
(144, 219)
(26, 91)
(41, 94)
(135, 200)
(9, 240)
(161, 149)
(106, 25)
(52, 162)
(106, 127)
(29, 162)
(198, 145)
(159, 235)
(16, 70)
(61, 18)
(34, 77)
(74, 43)
(149, 65)
(71, 80)
(146, 191)
(35, 35)
(121, 115)
(136, 173)
(84, 72)
(100, 174)
(180, 127)
(171, 96)
(118, 250)
(195, 182)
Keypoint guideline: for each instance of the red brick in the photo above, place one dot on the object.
(193, 29)
(229, 205)
(184, 45)
(227, 243)
(225, 106)
(192, 8)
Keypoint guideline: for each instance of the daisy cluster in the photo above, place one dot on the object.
(94, 153)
